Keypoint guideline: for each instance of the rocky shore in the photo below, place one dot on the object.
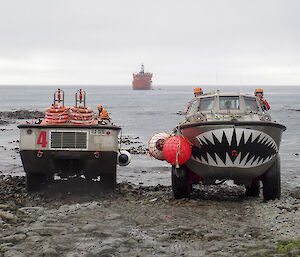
(76, 218)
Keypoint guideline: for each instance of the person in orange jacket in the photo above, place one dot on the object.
(264, 103)
(102, 113)
(198, 91)
(100, 109)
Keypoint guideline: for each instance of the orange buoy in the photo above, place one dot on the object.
(177, 150)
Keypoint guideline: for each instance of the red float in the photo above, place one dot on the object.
(177, 150)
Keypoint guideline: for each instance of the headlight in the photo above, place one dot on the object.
(267, 117)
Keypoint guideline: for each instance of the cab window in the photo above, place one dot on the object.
(206, 104)
(251, 104)
(229, 102)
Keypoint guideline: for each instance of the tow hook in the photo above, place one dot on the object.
(39, 154)
(96, 154)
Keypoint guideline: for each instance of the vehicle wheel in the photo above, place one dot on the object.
(109, 181)
(35, 181)
(180, 185)
(253, 190)
(271, 182)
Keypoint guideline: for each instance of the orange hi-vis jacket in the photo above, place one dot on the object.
(264, 103)
(104, 115)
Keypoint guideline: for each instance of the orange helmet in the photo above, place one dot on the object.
(198, 90)
(259, 90)
(100, 106)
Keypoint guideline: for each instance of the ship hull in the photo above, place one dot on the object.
(141, 85)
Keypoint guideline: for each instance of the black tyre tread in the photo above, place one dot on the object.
(109, 181)
(253, 190)
(35, 181)
(180, 185)
(272, 182)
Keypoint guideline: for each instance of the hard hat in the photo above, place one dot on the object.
(99, 106)
(259, 90)
(198, 90)
(104, 113)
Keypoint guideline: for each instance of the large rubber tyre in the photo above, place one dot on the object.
(253, 190)
(109, 181)
(180, 185)
(35, 181)
(271, 182)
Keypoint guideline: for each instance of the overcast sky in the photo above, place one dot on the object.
(183, 42)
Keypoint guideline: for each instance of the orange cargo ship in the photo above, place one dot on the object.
(142, 80)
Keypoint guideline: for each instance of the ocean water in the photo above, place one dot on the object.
(144, 113)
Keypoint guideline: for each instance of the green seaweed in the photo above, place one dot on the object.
(288, 245)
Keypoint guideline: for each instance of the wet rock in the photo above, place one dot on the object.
(31, 210)
(89, 227)
(13, 238)
(112, 216)
(22, 114)
(8, 216)
(14, 253)
(49, 252)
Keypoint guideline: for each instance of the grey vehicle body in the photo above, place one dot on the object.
(232, 138)
(68, 150)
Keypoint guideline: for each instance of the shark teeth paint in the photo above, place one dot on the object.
(234, 147)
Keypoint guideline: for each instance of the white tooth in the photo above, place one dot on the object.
(243, 163)
(228, 134)
(267, 141)
(210, 160)
(274, 146)
(270, 143)
(247, 134)
(199, 138)
(255, 135)
(209, 137)
(228, 161)
(195, 158)
(249, 163)
(260, 162)
(239, 133)
(237, 160)
(203, 160)
(219, 161)
(262, 138)
(219, 133)
(200, 142)
(255, 163)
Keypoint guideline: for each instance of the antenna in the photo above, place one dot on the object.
(241, 84)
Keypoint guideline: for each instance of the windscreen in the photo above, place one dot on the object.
(251, 104)
(206, 104)
(229, 102)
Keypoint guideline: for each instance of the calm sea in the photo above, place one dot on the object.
(144, 113)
